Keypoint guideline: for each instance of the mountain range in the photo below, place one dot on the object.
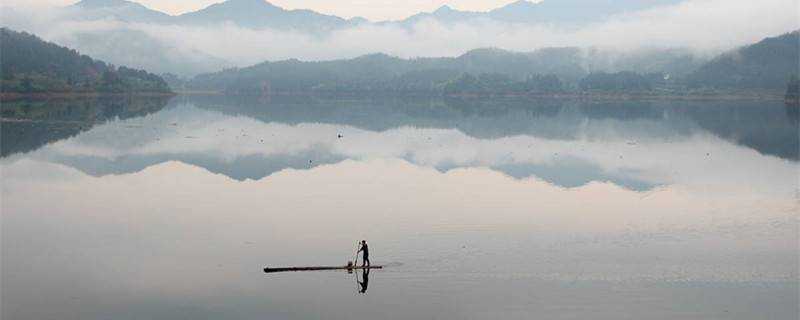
(137, 41)
(127, 33)
(384, 73)
(260, 14)
(254, 14)
(768, 64)
(563, 12)
(32, 65)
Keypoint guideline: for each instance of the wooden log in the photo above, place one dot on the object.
(294, 269)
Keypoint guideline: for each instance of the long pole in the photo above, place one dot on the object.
(355, 260)
(320, 268)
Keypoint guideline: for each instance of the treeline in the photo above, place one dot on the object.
(496, 83)
(422, 82)
(31, 65)
(384, 74)
(767, 65)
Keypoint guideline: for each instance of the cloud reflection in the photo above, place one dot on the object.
(567, 147)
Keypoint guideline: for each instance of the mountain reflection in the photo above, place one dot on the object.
(768, 127)
(28, 125)
(566, 143)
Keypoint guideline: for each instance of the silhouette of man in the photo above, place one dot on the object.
(365, 249)
(364, 281)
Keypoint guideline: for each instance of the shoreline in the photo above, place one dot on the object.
(13, 96)
(583, 96)
(748, 96)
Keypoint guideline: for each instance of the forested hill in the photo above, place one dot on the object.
(30, 65)
(768, 64)
(493, 70)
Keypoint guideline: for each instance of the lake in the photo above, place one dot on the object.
(480, 209)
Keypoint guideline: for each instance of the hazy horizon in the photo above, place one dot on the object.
(381, 10)
(193, 49)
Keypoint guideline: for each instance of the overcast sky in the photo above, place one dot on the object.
(371, 9)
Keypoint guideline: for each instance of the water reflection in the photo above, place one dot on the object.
(364, 282)
(768, 127)
(30, 124)
(496, 210)
(566, 143)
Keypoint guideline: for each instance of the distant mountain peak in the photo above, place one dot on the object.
(103, 3)
(243, 6)
(248, 4)
(118, 9)
(522, 3)
(443, 9)
(519, 5)
(260, 14)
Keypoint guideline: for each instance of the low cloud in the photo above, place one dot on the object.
(707, 26)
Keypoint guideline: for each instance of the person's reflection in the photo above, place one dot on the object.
(364, 281)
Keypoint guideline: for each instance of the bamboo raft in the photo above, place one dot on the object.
(295, 269)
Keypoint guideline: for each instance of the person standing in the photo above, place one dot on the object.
(364, 248)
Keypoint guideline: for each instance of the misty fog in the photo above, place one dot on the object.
(703, 27)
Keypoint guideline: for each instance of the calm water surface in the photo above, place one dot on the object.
(490, 209)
